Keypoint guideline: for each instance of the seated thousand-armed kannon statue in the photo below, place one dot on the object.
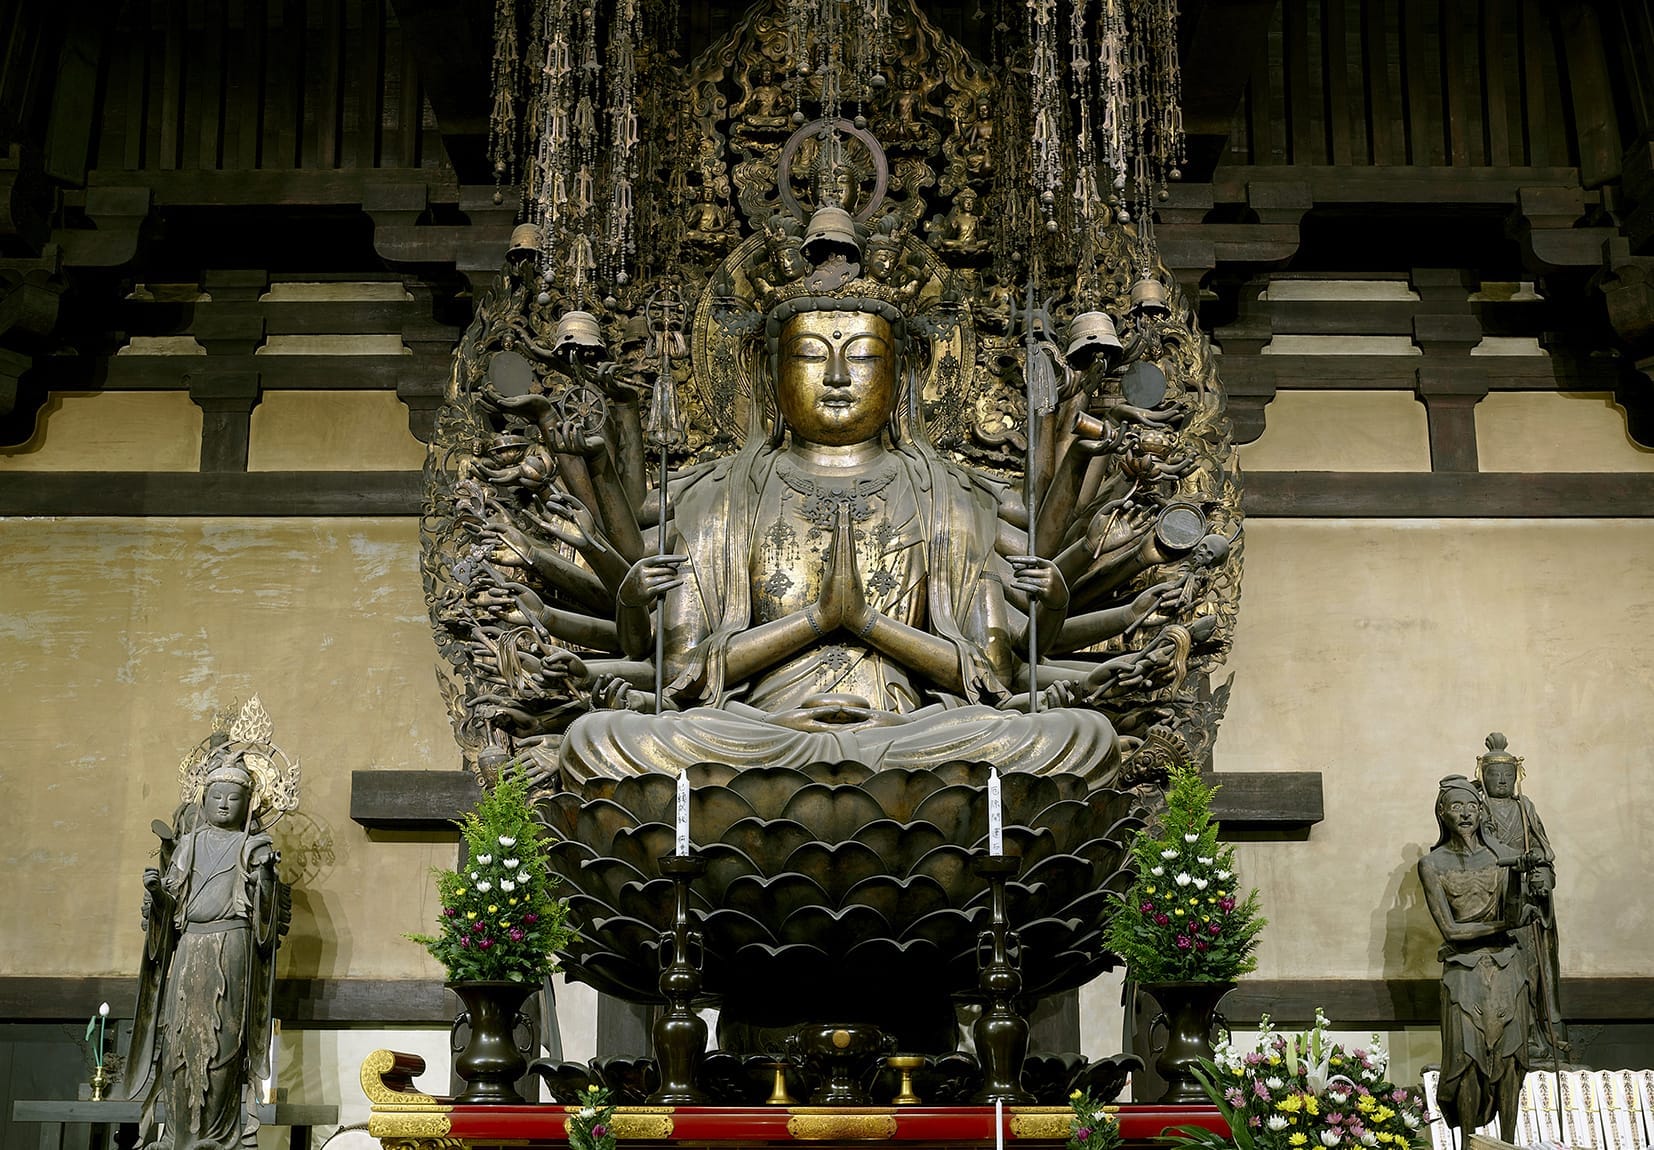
(843, 456)
(838, 564)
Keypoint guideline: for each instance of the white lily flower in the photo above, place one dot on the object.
(1276, 1122)
(507, 842)
(1183, 879)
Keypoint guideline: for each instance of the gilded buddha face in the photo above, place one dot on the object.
(837, 379)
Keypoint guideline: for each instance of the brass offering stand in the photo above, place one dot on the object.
(906, 1064)
(680, 1034)
(1001, 1033)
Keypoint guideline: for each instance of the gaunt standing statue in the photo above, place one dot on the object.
(1514, 821)
(1472, 887)
(214, 914)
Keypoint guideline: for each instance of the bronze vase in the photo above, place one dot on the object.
(491, 1062)
(1187, 1011)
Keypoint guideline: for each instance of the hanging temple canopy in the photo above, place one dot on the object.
(909, 199)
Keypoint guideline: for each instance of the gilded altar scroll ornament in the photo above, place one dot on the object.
(879, 181)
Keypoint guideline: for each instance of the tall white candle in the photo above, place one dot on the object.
(683, 814)
(996, 816)
(999, 1106)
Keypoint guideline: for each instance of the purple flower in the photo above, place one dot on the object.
(485, 943)
(599, 1130)
(450, 912)
(1161, 920)
(1083, 1133)
(1182, 942)
(531, 918)
(1234, 1097)
(1200, 944)
(463, 941)
(1260, 1089)
(1213, 929)
(1254, 1058)
(1226, 904)
(1147, 908)
(1255, 1121)
(516, 935)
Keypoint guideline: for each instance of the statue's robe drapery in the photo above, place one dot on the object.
(926, 554)
(212, 1029)
(1515, 822)
(1486, 1002)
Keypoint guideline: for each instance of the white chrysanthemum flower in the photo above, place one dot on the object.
(1201, 884)
(1331, 1138)
(1205, 860)
(1225, 876)
(485, 859)
(1191, 838)
(484, 886)
(1274, 1083)
(507, 885)
(1157, 871)
(1410, 1119)
(1368, 1138)
(1183, 879)
(587, 1113)
(1168, 854)
(1276, 1122)
(475, 876)
(509, 864)
(507, 841)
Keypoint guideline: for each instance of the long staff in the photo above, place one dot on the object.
(1042, 401)
(665, 431)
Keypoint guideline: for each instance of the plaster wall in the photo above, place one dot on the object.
(112, 431)
(118, 640)
(1555, 431)
(332, 431)
(1341, 431)
(1381, 653)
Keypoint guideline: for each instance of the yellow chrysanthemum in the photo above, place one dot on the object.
(1290, 1104)
(1298, 1138)
(1311, 1106)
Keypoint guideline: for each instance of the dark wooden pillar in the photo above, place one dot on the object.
(1450, 396)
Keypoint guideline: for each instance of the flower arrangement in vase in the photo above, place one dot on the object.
(1090, 1125)
(498, 933)
(1185, 931)
(1306, 1092)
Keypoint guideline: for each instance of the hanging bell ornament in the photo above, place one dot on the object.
(1148, 297)
(831, 231)
(525, 242)
(577, 331)
(1090, 335)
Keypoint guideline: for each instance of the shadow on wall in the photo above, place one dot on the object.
(1404, 932)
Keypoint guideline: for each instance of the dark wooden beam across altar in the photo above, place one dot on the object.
(1269, 494)
(1352, 1003)
(1261, 801)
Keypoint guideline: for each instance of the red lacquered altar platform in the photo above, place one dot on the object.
(408, 1120)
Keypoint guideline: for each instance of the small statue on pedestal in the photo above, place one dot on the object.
(1513, 820)
(214, 912)
(1472, 887)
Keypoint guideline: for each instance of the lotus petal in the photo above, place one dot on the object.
(565, 858)
(560, 814)
(1068, 821)
(771, 900)
(950, 866)
(651, 797)
(724, 864)
(712, 775)
(605, 876)
(960, 813)
(600, 822)
(643, 846)
(1025, 791)
(767, 842)
(713, 810)
(767, 789)
(654, 901)
(733, 930)
(899, 792)
(832, 814)
(839, 774)
(899, 900)
(832, 931)
(836, 868)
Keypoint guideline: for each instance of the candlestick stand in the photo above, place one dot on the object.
(1001, 1033)
(680, 1034)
